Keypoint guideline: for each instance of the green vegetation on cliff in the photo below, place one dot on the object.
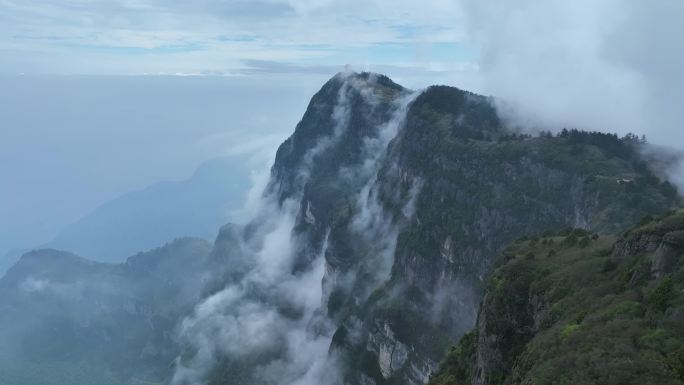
(578, 308)
(457, 186)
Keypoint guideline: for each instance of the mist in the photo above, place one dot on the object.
(277, 308)
(134, 134)
(611, 66)
(69, 144)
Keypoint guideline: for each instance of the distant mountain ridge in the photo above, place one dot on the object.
(9, 259)
(68, 320)
(144, 219)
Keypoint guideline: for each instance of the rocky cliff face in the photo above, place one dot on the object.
(582, 309)
(478, 190)
(381, 219)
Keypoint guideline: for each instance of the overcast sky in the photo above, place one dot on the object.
(85, 114)
(227, 37)
(70, 143)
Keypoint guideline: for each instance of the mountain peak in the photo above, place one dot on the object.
(368, 78)
(350, 108)
(52, 256)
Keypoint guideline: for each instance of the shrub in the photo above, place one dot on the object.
(675, 362)
(662, 295)
(570, 240)
(584, 242)
(565, 232)
(609, 265)
(579, 317)
(522, 239)
(628, 308)
(568, 330)
(645, 220)
(580, 232)
(654, 339)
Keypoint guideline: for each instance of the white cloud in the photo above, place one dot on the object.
(71, 290)
(609, 65)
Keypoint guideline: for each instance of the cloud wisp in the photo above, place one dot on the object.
(608, 66)
(265, 313)
(269, 325)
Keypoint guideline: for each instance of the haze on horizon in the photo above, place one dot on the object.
(100, 98)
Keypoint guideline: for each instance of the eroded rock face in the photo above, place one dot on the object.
(477, 194)
(665, 256)
(542, 316)
(660, 242)
(637, 244)
(409, 196)
(508, 318)
(392, 354)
